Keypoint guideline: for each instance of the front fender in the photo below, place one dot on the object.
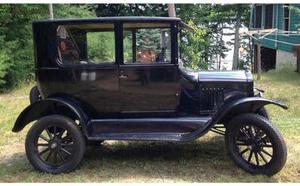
(46, 107)
(242, 105)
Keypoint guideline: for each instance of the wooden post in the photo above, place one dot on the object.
(51, 16)
(251, 47)
(258, 61)
(296, 49)
(298, 62)
(171, 10)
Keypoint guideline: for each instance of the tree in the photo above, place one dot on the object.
(241, 19)
(16, 49)
(108, 10)
(216, 18)
(235, 60)
(192, 47)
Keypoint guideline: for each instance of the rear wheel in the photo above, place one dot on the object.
(54, 144)
(255, 144)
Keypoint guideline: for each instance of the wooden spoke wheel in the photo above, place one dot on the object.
(55, 144)
(255, 144)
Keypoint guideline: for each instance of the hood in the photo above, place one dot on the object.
(225, 76)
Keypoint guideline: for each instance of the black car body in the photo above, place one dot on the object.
(146, 96)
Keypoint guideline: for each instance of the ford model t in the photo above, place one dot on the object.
(124, 78)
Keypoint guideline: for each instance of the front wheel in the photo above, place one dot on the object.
(255, 144)
(54, 144)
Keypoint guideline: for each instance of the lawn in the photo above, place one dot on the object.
(203, 160)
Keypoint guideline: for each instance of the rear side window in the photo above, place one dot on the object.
(86, 44)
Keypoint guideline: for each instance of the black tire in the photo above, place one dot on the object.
(263, 112)
(34, 95)
(255, 144)
(55, 144)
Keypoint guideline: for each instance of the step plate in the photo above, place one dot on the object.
(168, 129)
(139, 136)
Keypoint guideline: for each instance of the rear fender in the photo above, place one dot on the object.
(242, 105)
(47, 107)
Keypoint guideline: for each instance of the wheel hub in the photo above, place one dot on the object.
(54, 145)
(255, 145)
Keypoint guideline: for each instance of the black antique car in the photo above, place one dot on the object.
(124, 78)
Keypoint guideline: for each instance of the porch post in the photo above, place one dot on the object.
(258, 61)
(296, 50)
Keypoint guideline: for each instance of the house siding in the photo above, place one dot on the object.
(278, 23)
(277, 49)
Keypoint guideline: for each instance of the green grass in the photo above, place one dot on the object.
(203, 160)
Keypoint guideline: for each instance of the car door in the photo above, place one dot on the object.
(148, 79)
(151, 88)
(88, 69)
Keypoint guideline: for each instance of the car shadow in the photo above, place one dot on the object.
(203, 160)
(197, 161)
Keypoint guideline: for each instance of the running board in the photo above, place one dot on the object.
(139, 136)
(162, 129)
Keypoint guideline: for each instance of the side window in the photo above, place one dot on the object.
(86, 44)
(146, 43)
(101, 47)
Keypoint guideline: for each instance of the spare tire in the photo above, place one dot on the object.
(34, 95)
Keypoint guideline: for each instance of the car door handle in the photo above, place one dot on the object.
(122, 76)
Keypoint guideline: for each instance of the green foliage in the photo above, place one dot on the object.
(4, 65)
(215, 18)
(16, 49)
(127, 42)
(101, 46)
(72, 11)
(103, 10)
(148, 39)
(192, 47)
(296, 10)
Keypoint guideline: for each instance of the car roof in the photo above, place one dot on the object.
(113, 19)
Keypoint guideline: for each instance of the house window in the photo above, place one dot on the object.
(269, 16)
(258, 15)
(286, 17)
